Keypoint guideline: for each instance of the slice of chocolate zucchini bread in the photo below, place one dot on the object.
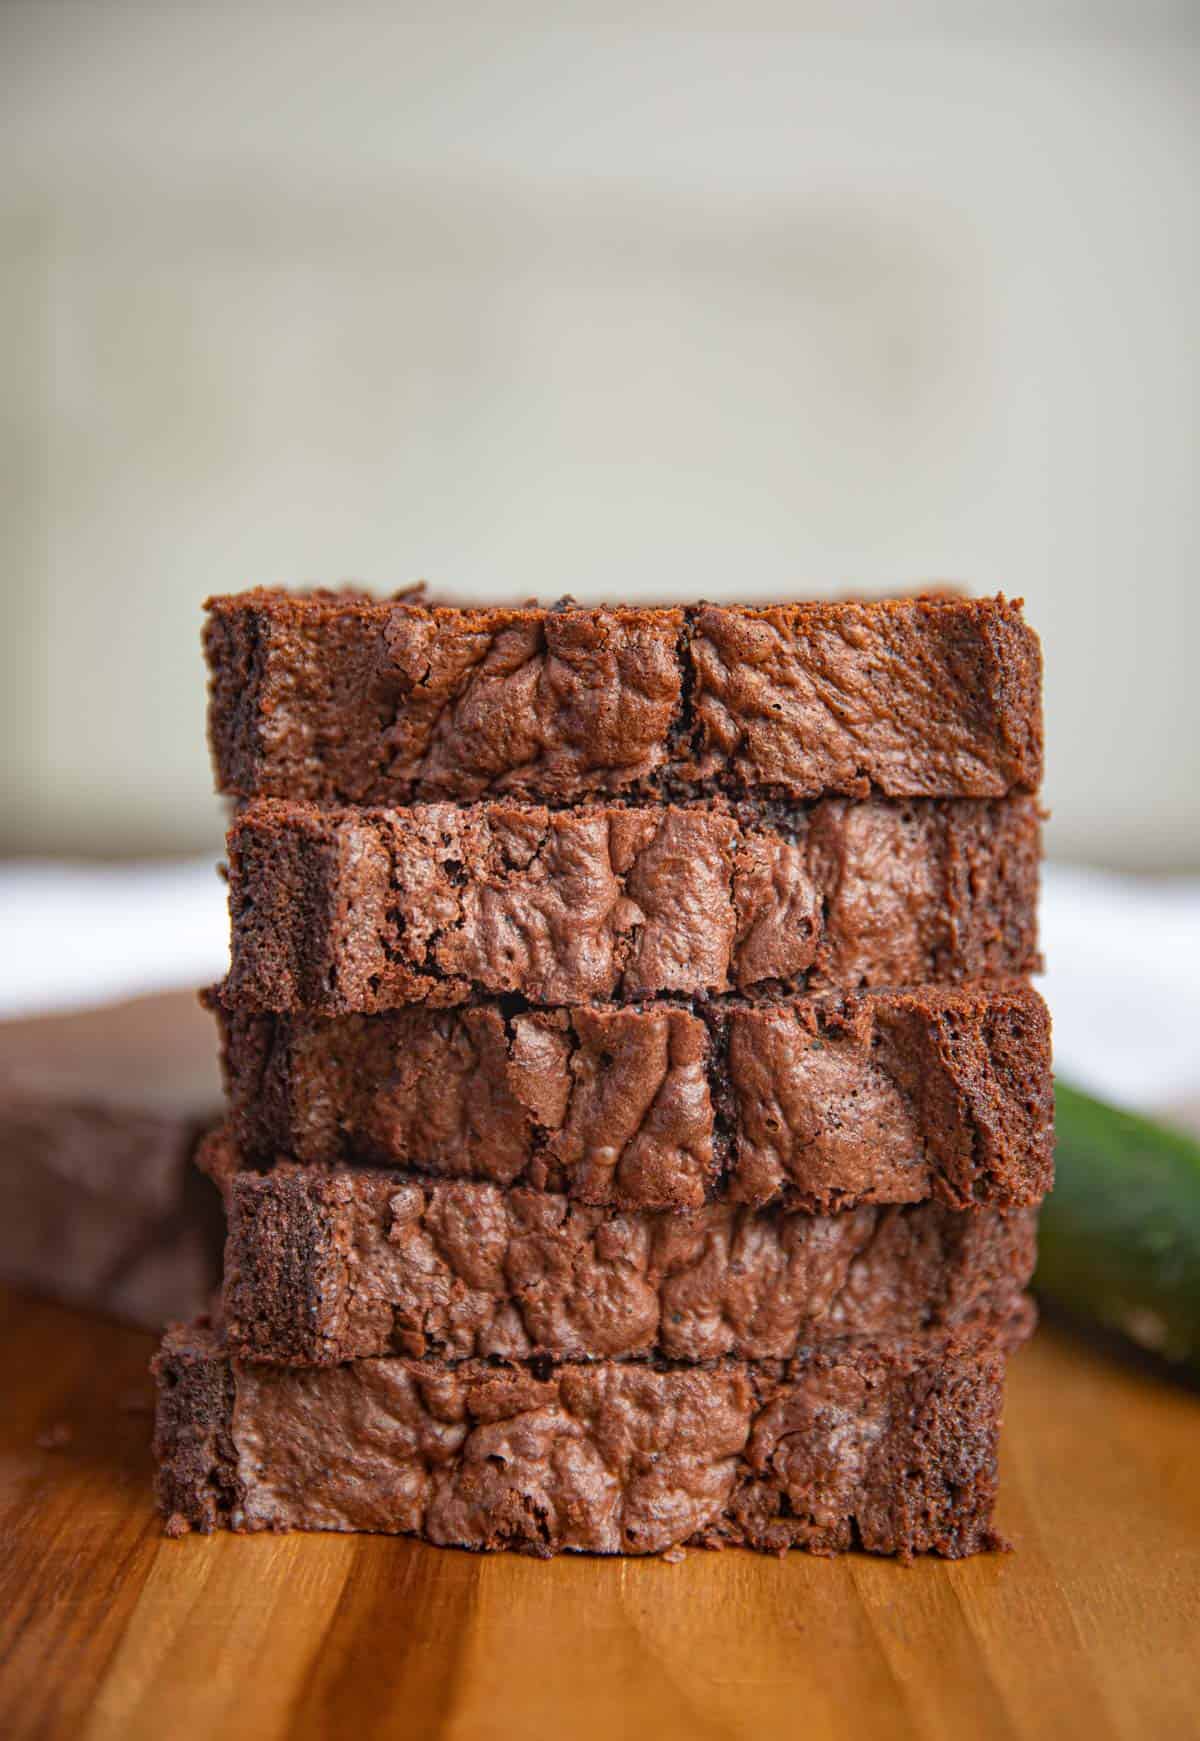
(343, 910)
(326, 1265)
(104, 1209)
(819, 1103)
(337, 696)
(888, 1446)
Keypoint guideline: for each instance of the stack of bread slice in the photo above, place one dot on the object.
(637, 1103)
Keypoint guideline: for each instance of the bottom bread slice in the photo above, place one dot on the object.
(885, 1446)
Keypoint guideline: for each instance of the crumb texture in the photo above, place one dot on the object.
(907, 699)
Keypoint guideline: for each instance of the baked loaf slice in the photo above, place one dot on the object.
(820, 1103)
(323, 1266)
(890, 1447)
(341, 910)
(103, 1208)
(341, 697)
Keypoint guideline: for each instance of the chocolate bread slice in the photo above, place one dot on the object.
(341, 910)
(103, 1208)
(323, 1266)
(341, 697)
(887, 1446)
(818, 1103)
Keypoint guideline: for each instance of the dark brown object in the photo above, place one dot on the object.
(341, 697)
(818, 1103)
(338, 911)
(99, 1112)
(890, 1447)
(325, 1266)
(102, 1208)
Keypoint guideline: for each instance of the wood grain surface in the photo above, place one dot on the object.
(1091, 1628)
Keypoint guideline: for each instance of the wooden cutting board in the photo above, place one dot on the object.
(1091, 1628)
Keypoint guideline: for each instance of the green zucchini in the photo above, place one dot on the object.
(1119, 1237)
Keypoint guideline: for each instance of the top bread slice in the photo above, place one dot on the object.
(339, 697)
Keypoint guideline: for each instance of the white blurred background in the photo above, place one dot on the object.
(660, 301)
